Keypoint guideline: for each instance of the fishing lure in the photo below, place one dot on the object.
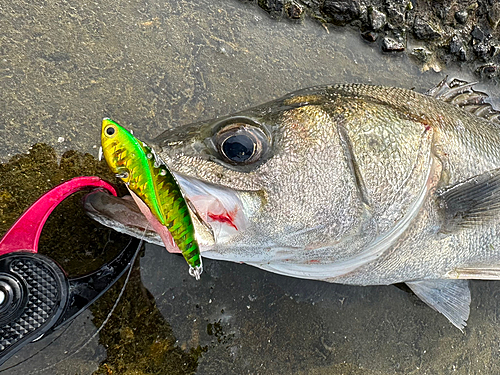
(146, 176)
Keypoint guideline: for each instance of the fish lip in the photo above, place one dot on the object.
(132, 222)
(160, 229)
(194, 213)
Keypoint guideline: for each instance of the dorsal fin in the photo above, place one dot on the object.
(462, 94)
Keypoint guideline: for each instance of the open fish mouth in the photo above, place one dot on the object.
(217, 214)
(120, 214)
(218, 208)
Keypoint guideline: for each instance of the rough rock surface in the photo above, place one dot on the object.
(450, 31)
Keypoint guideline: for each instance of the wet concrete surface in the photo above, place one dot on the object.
(260, 323)
(437, 34)
(154, 65)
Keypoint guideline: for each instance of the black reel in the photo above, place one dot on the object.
(37, 298)
(33, 295)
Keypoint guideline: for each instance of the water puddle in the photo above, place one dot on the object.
(154, 65)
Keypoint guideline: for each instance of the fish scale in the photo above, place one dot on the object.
(349, 183)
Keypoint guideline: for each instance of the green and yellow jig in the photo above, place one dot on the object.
(137, 165)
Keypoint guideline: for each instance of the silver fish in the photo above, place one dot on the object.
(352, 184)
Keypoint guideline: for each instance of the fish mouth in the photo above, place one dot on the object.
(120, 214)
(217, 213)
(217, 208)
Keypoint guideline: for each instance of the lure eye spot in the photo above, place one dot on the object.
(110, 131)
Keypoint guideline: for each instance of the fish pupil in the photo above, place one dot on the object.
(238, 148)
(110, 131)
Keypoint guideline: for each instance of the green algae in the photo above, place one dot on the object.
(69, 236)
(137, 338)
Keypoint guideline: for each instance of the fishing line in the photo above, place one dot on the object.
(132, 262)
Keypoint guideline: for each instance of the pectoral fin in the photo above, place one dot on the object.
(471, 202)
(449, 297)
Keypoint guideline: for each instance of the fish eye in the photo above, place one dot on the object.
(239, 143)
(238, 148)
(110, 130)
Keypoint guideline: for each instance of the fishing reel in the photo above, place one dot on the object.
(36, 296)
